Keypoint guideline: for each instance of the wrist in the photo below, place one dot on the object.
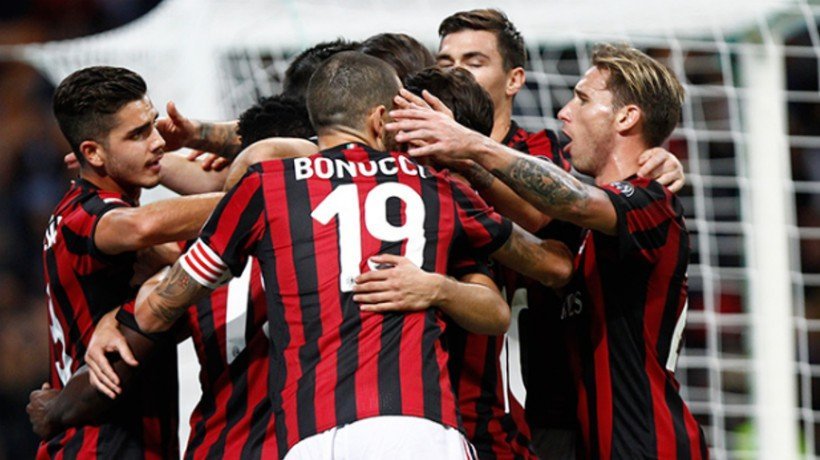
(443, 290)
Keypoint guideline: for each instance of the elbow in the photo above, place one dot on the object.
(503, 320)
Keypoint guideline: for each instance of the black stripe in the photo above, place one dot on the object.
(250, 214)
(430, 371)
(304, 263)
(212, 366)
(237, 404)
(483, 439)
(497, 232)
(672, 305)
(676, 410)
(260, 417)
(389, 375)
(74, 343)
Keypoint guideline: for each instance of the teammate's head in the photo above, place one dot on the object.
(297, 75)
(404, 53)
(487, 44)
(635, 78)
(274, 116)
(458, 90)
(626, 96)
(108, 120)
(353, 91)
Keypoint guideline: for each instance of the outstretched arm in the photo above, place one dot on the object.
(168, 301)
(548, 261)
(176, 219)
(544, 185)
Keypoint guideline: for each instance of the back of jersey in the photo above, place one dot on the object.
(313, 223)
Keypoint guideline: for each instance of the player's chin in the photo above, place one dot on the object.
(150, 180)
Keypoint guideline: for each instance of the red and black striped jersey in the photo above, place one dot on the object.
(233, 418)
(624, 312)
(313, 223)
(82, 285)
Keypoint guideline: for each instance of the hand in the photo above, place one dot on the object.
(660, 165)
(433, 133)
(107, 338)
(408, 100)
(39, 403)
(401, 287)
(176, 129)
(209, 161)
(71, 162)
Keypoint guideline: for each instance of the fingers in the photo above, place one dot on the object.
(92, 378)
(71, 161)
(194, 154)
(383, 307)
(45, 386)
(173, 113)
(436, 104)
(387, 259)
(374, 298)
(676, 186)
(649, 166)
(121, 347)
(409, 100)
(220, 163)
(371, 276)
(102, 375)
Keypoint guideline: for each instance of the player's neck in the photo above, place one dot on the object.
(108, 184)
(621, 163)
(502, 120)
(332, 137)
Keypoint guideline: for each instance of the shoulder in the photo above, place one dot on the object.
(279, 148)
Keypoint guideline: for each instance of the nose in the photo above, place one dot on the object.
(564, 113)
(157, 142)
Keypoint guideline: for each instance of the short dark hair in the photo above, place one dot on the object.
(458, 90)
(346, 87)
(510, 42)
(274, 116)
(298, 73)
(635, 78)
(404, 53)
(86, 101)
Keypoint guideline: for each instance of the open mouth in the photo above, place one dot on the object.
(564, 140)
(154, 165)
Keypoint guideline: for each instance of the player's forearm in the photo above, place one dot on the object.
(187, 177)
(550, 189)
(168, 301)
(547, 261)
(176, 219)
(474, 307)
(220, 138)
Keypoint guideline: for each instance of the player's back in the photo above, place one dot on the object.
(233, 417)
(313, 223)
(82, 285)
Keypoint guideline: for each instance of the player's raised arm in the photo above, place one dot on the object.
(546, 186)
(132, 228)
(179, 131)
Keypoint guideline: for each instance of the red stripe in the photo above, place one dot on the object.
(195, 266)
(693, 429)
(326, 251)
(289, 290)
(230, 215)
(448, 400)
(201, 257)
(603, 379)
(202, 251)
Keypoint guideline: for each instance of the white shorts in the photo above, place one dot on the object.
(385, 437)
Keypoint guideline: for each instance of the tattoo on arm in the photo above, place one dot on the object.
(220, 138)
(479, 177)
(545, 185)
(174, 294)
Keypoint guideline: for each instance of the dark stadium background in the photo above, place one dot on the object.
(32, 180)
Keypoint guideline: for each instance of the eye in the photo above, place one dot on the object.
(444, 63)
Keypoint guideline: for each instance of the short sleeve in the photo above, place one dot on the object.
(485, 230)
(646, 211)
(230, 235)
(97, 207)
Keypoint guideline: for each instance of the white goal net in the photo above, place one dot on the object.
(749, 140)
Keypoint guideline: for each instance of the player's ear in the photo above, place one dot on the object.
(375, 124)
(93, 152)
(628, 117)
(515, 81)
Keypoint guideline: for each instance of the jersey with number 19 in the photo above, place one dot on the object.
(313, 223)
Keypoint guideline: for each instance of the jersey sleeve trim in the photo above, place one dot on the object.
(204, 265)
